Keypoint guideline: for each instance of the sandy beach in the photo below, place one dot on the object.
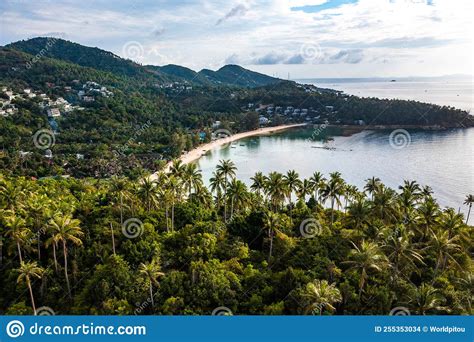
(203, 149)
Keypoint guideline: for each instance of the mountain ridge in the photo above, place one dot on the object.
(94, 57)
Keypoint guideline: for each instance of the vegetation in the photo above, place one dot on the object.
(284, 245)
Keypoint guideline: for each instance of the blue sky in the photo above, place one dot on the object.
(305, 38)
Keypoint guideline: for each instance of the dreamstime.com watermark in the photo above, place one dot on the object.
(16, 329)
(138, 131)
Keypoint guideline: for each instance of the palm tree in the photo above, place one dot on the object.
(428, 215)
(227, 168)
(317, 181)
(305, 189)
(148, 192)
(364, 258)
(119, 187)
(216, 183)
(276, 189)
(270, 224)
(178, 168)
(411, 187)
(425, 298)
(321, 295)
(237, 192)
(372, 186)
(333, 190)
(150, 272)
(359, 213)
(400, 251)
(292, 184)
(258, 183)
(192, 178)
(18, 231)
(64, 228)
(445, 249)
(37, 206)
(174, 186)
(27, 271)
(468, 201)
(385, 203)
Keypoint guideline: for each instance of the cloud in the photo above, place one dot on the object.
(234, 12)
(347, 56)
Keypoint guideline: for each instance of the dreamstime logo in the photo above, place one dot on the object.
(311, 52)
(44, 311)
(132, 228)
(399, 311)
(399, 139)
(133, 50)
(15, 329)
(44, 139)
(310, 228)
(222, 311)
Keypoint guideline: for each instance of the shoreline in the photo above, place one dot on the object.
(201, 150)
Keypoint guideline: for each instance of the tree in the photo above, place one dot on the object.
(332, 190)
(321, 295)
(317, 181)
(372, 186)
(119, 188)
(147, 192)
(64, 228)
(270, 224)
(238, 195)
(27, 271)
(425, 298)
(364, 258)
(258, 183)
(150, 272)
(468, 201)
(227, 168)
(18, 231)
(192, 178)
(276, 189)
(292, 184)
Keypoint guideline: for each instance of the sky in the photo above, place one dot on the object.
(295, 38)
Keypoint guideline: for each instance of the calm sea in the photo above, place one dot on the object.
(444, 160)
(449, 91)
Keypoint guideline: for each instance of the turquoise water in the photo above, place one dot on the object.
(444, 160)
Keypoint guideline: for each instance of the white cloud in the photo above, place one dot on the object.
(371, 36)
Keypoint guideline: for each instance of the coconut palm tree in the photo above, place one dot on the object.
(65, 229)
(317, 182)
(18, 231)
(468, 201)
(177, 168)
(305, 188)
(428, 216)
(151, 272)
(174, 186)
(425, 298)
(238, 195)
(227, 168)
(385, 203)
(119, 188)
(445, 248)
(258, 183)
(147, 192)
(400, 250)
(365, 258)
(271, 224)
(27, 271)
(37, 207)
(333, 190)
(276, 189)
(372, 186)
(216, 183)
(359, 213)
(192, 178)
(292, 184)
(321, 295)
